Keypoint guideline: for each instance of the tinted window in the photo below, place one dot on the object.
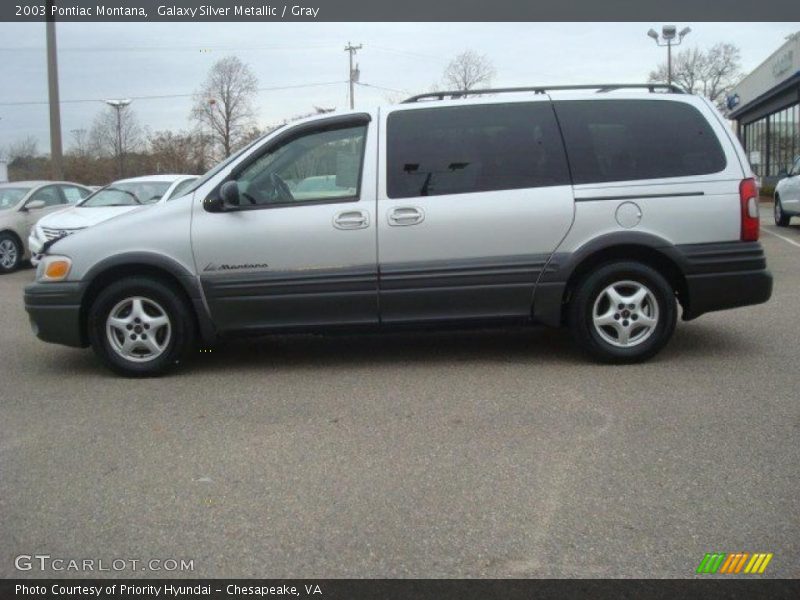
(457, 150)
(319, 166)
(619, 140)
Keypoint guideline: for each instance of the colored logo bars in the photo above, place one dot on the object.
(733, 563)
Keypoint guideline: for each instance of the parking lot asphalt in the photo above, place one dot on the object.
(469, 454)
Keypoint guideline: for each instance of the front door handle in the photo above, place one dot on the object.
(406, 215)
(351, 219)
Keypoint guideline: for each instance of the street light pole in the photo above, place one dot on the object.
(118, 105)
(667, 38)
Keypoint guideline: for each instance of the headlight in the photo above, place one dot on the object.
(53, 268)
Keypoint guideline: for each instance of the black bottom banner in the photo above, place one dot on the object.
(391, 589)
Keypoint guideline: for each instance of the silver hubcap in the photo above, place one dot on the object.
(625, 314)
(138, 329)
(8, 254)
(777, 211)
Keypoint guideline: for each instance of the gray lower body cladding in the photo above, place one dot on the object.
(718, 276)
(54, 310)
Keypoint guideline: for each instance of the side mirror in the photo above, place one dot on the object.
(35, 205)
(229, 193)
(227, 198)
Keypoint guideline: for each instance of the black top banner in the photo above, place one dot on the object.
(398, 10)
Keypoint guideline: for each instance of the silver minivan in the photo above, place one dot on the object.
(598, 211)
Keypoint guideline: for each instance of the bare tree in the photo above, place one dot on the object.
(468, 70)
(224, 103)
(80, 142)
(26, 147)
(105, 140)
(711, 73)
(181, 152)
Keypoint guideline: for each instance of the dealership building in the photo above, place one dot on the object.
(766, 108)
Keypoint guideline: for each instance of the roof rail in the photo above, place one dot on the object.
(543, 89)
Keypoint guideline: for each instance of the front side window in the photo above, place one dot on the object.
(463, 149)
(49, 195)
(623, 140)
(130, 193)
(316, 167)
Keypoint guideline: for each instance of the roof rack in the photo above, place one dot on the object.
(543, 89)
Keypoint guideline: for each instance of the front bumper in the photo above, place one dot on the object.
(54, 310)
(722, 276)
(35, 246)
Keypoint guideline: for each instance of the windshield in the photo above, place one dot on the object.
(131, 193)
(227, 162)
(9, 196)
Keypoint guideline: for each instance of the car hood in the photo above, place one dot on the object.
(78, 217)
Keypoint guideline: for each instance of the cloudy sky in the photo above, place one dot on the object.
(114, 60)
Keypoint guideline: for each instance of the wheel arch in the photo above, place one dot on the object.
(147, 265)
(565, 270)
(16, 237)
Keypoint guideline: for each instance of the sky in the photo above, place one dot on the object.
(121, 60)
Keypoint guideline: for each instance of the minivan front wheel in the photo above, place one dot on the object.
(623, 312)
(140, 327)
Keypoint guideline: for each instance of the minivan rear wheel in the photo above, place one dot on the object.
(141, 327)
(623, 312)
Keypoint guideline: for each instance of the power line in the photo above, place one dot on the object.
(380, 87)
(406, 53)
(165, 96)
(165, 48)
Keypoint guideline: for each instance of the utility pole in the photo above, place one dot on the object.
(354, 73)
(56, 159)
(118, 105)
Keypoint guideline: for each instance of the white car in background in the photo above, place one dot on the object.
(23, 203)
(106, 203)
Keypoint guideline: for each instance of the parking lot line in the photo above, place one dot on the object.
(785, 239)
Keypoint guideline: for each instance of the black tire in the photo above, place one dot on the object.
(781, 218)
(164, 296)
(10, 244)
(592, 286)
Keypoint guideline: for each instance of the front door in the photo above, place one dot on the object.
(473, 199)
(301, 251)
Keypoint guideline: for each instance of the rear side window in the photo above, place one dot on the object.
(458, 150)
(621, 140)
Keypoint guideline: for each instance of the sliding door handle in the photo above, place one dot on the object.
(406, 215)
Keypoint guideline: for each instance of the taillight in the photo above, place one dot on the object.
(748, 199)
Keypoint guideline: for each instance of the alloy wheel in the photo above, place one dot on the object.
(138, 329)
(8, 254)
(625, 314)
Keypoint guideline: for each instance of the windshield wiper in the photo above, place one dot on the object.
(131, 194)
